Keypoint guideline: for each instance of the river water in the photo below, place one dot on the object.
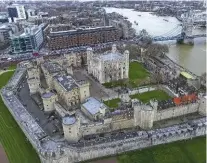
(188, 56)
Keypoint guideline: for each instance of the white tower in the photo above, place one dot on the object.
(114, 49)
(126, 72)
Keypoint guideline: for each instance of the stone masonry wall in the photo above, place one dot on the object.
(56, 151)
(142, 90)
(75, 154)
(117, 147)
(176, 111)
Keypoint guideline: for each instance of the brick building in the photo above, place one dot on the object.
(82, 37)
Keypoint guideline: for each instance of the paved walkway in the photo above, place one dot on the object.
(3, 156)
(3, 71)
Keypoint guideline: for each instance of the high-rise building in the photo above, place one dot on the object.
(16, 12)
(28, 41)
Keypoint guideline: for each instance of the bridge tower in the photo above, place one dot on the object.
(187, 28)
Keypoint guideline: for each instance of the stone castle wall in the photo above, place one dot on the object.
(71, 154)
(143, 90)
(58, 151)
(176, 111)
(145, 139)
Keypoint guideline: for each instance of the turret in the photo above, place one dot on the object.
(33, 71)
(126, 56)
(101, 74)
(84, 91)
(114, 49)
(39, 60)
(34, 84)
(89, 53)
(71, 129)
(154, 105)
(202, 106)
(49, 99)
(143, 115)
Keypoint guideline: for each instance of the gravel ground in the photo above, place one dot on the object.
(3, 157)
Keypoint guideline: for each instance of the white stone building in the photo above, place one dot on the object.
(110, 66)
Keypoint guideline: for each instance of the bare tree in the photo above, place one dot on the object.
(203, 77)
(157, 50)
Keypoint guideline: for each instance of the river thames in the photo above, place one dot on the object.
(188, 56)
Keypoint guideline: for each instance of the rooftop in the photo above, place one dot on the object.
(187, 75)
(111, 56)
(31, 31)
(47, 95)
(93, 106)
(52, 67)
(69, 120)
(81, 30)
(67, 82)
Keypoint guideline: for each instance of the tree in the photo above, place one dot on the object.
(143, 33)
(157, 50)
(157, 77)
(203, 77)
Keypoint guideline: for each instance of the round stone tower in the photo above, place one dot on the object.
(71, 128)
(49, 99)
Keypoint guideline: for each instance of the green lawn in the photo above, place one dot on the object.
(190, 151)
(112, 103)
(147, 96)
(17, 148)
(137, 71)
(12, 67)
(137, 75)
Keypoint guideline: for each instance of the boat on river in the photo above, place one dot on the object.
(135, 23)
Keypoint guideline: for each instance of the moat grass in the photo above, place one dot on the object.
(137, 75)
(13, 140)
(114, 103)
(187, 151)
(147, 96)
(12, 67)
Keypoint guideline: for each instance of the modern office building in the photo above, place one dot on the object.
(3, 17)
(16, 12)
(6, 30)
(28, 41)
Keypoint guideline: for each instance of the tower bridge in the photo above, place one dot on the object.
(184, 31)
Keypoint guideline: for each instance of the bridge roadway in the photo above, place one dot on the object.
(177, 37)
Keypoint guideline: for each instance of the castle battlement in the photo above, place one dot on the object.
(75, 148)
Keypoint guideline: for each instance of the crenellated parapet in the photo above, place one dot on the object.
(74, 148)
